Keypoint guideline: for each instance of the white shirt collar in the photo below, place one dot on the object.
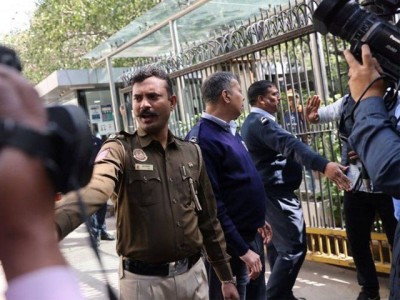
(231, 126)
(262, 112)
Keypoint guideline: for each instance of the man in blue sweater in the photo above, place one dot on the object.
(278, 157)
(237, 186)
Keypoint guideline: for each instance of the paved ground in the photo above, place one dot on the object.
(315, 281)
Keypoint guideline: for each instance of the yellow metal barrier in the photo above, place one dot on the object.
(330, 246)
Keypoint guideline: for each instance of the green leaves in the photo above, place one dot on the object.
(62, 31)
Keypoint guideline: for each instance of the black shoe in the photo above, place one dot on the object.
(367, 296)
(105, 236)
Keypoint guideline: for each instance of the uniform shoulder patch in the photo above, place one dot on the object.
(193, 139)
(193, 135)
(264, 120)
(102, 154)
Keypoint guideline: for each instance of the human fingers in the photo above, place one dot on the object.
(352, 155)
(366, 56)
(377, 65)
(254, 275)
(342, 181)
(351, 60)
(262, 232)
(19, 100)
(335, 173)
(315, 100)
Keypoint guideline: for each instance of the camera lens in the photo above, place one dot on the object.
(342, 18)
(346, 19)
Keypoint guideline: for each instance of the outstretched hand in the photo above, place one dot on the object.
(335, 172)
(313, 104)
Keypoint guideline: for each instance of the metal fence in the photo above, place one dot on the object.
(282, 46)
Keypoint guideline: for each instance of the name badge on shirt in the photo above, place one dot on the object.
(144, 167)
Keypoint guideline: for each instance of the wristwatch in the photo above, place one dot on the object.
(233, 281)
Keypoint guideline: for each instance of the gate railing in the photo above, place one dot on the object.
(281, 46)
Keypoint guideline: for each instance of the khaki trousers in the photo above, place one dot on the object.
(189, 285)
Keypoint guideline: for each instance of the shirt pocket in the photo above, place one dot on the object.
(144, 187)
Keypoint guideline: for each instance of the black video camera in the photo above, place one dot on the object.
(357, 25)
(66, 148)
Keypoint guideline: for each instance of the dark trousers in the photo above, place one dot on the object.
(395, 271)
(248, 289)
(360, 210)
(98, 221)
(288, 248)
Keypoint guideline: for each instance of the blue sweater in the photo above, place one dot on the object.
(237, 186)
(277, 154)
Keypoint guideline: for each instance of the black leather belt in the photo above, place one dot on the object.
(161, 269)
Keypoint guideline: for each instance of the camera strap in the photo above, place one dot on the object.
(28, 140)
(41, 145)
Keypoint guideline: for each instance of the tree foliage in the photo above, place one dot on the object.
(62, 31)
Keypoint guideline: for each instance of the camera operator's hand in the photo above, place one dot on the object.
(20, 101)
(27, 226)
(335, 172)
(361, 75)
(313, 104)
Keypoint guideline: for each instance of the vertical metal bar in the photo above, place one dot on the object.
(114, 100)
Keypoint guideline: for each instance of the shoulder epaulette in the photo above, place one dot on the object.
(264, 120)
(121, 135)
(193, 135)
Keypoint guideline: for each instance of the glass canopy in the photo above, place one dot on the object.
(196, 26)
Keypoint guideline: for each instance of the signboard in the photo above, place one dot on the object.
(95, 113)
(102, 115)
(106, 128)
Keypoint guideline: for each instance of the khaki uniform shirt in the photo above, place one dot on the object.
(157, 220)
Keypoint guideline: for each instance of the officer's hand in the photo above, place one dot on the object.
(335, 172)
(313, 104)
(253, 263)
(266, 233)
(229, 291)
(361, 75)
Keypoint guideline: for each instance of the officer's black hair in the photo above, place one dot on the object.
(213, 86)
(10, 58)
(149, 71)
(258, 88)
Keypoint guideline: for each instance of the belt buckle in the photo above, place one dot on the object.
(178, 267)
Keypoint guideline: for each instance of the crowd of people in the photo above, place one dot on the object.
(219, 196)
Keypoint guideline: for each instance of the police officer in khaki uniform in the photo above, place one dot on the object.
(165, 206)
